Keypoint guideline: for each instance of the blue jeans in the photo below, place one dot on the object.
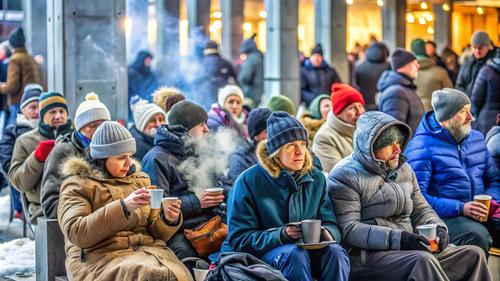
(329, 263)
(16, 198)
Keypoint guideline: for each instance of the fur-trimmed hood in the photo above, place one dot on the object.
(272, 167)
(77, 166)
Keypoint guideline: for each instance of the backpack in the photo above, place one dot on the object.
(243, 267)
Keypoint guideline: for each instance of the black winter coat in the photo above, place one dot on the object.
(486, 96)
(468, 72)
(399, 99)
(316, 80)
(243, 158)
(143, 142)
(251, 73)
(367, 73)
(161, 164)
(215, 73)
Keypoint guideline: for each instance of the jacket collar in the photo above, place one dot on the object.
(340, 126)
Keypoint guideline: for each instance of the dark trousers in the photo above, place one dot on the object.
(329, 263)
(466, 231)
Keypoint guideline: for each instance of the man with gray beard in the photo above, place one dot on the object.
(452, 165)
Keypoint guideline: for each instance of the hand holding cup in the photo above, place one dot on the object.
(212, 197)
(171, 208)
(137, 199)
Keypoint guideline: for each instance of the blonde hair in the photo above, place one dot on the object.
(273, 165)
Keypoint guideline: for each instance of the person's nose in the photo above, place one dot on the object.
(396, 149)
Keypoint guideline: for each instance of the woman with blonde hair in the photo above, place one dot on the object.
(110, 230)
(285, 187)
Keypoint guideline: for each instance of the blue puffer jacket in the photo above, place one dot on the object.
(451, 173)
(265, 198)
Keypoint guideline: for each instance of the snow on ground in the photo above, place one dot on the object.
(17, 254)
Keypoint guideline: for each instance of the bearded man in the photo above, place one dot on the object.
(452, 165)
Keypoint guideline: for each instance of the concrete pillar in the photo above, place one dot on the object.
(330, 30)
(137, 11)
(232, 28)
(198, 15)
(394, 23)
(35, 29)
(167, 44)
(281, 62)
(442, 26)
(86, 52)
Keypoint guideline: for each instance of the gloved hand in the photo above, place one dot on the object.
(412, 241)
(444, 239)
(43, 149)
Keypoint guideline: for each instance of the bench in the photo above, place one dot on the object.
(49, 251)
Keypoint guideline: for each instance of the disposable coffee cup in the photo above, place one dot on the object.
(311, 231)
(430, 233)
(215, 190)
(200, 274)
(485, 200)
(156, 196)
(167, 201)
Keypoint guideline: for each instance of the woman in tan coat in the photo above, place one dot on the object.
(110, 231)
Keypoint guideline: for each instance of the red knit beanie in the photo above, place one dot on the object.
(344, 95)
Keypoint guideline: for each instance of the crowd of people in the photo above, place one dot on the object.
(403, 146)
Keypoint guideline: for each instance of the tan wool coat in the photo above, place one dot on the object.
(333, 142)
(101, 242)
(25, 172)
(430, 78)
(22, 70)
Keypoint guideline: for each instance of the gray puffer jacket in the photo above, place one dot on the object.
(374, 204)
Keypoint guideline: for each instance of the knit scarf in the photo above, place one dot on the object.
(83, 140)
(52, 132)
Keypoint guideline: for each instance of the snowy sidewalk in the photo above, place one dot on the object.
(17, 254)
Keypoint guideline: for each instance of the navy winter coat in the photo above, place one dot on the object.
(451, 173)
(251, 73)
(367, 73)
(141, 81)
(243, 158)
(486, 96)
(399, 98)
(261, 204)
(316, 80)
(143, 142)
(9, 137)
(161, 163)
(468, 72)
(215, 73)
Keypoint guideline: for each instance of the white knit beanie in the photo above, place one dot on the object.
(227, 91)
(91, 110)
(143, 112)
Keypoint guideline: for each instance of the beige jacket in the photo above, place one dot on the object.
(25, 172)
(101, 242)
(333, 141)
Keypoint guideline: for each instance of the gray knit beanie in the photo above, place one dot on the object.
(187, 114)
(480, 38)
(447, 102)
(111, 139)
(143, 112)
(389, 136)
(91, 110)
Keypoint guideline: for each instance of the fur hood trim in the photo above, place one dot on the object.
(77, 166)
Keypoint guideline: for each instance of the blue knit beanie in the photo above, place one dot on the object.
(257, 121)
(282, 128)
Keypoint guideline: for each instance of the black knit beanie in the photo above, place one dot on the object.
(389, 136)
(187, 114)
(401, 57)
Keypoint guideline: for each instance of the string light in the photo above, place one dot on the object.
(217, 14)
(262, 14)
(480, 10)
(349, 2)
(422, 20)
(430, 30)
(410, 18)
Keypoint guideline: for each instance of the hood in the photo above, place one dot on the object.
(390, 78)
(138, 63)
(173, 139)
(368, 128)
(22, 121)
(377, 53)
(495, 61)
(309, 66)
(248, 46)
(426, 63)
(430, 126)
(77, 166)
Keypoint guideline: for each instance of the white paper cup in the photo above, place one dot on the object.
(167, 201)
(428, 231)
(200, 274)
(156, 196)
(215, 190)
